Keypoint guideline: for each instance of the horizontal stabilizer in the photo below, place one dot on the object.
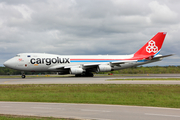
(122, 62)
(163, 56)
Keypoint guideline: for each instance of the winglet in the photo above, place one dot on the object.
(152, 47)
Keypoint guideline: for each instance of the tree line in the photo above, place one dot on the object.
(8, 71)
(133, 70)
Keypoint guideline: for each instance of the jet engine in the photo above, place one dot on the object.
(104, 68)
(76, 70)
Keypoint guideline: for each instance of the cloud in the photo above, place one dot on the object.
(86, 27)
(162, 13)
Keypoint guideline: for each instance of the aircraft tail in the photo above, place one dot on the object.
(152, 47)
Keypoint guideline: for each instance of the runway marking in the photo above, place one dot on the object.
(163, 115)
(88, 110)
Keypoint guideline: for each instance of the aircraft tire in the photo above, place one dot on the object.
(77, 75)
(85, 75)
(23, 76)
(92, 75)
(89, 75)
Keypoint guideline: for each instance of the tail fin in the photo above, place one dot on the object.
(152, 47)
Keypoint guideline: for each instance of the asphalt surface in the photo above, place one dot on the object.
(90, 111)
(94, 80)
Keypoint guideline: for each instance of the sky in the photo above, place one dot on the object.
(88, 27)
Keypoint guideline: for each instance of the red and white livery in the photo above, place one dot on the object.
(85, 65)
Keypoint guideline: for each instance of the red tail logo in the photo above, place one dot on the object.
(151, 47)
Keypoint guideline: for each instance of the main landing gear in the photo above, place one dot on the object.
(85, 75)
(23, 74)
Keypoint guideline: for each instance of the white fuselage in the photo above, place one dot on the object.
(85, 65)
(50, 62)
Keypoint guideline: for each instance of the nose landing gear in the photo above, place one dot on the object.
(23, 74)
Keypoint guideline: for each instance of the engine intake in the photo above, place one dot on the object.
(104, 68)
(76, 70)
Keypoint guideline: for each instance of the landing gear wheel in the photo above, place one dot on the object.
(85, 75)
(23, 76)
(77, 75)
(89, 75)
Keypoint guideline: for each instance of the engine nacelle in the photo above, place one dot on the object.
(76, 70)
(104, 68)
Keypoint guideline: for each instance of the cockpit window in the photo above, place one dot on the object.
(17, 56)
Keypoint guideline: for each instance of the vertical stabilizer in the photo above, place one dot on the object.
(152, 47)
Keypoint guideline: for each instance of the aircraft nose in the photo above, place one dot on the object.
(8, 63)
(5, 63)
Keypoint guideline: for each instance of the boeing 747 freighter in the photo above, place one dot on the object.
(85, 65)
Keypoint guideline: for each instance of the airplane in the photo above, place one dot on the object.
(86, 65)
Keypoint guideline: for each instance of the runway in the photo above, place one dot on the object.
(94, 80)
(89, 111)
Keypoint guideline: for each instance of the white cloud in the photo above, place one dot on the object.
(161, 13)
(24, 10)
(86, 26)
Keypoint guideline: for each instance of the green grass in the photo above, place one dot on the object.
(18, 117)
(121, 94)
(145, 79)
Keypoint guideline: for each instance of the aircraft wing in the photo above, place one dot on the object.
(93, 66)
(114, 63)
(90, 65)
